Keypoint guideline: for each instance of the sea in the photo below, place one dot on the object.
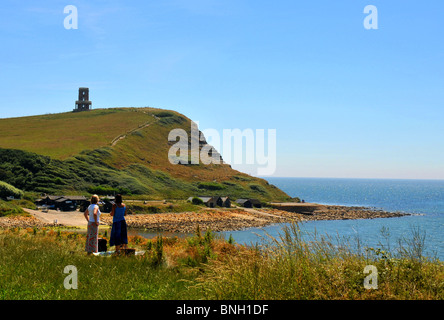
(422, 199)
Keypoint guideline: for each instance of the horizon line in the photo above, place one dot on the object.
(356, 178)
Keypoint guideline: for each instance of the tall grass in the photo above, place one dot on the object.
(291, 267)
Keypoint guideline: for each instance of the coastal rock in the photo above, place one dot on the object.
(239, 219)
(23, 222)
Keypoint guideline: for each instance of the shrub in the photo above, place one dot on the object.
(7, 190)
(242, 178)
(107, 190)
(23, 203)
(210, 186)
(137, 133)
(258, 188)
(9, 208)
(167, 118)
(230, 239)
(29, 197)
(164, 114)
(229, 183)
(158, 252)
(153, 209)
(197, 201)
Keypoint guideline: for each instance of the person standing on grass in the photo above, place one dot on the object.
(119, 236)
(92, 215)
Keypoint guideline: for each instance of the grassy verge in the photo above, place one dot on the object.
(10, 208)
(32, 266)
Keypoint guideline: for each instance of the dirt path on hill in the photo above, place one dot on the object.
(123, 136)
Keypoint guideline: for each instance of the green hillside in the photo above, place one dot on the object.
(123, 149)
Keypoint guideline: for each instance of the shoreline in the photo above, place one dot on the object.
(216, 219)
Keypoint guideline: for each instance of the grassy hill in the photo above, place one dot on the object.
(123, 149)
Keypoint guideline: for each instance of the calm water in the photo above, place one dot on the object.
(424, 198)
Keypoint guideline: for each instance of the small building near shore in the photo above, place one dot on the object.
(209, 201)
(48, 201)
(249, 203)
(78, 200)
(256, 203)
(105, 204)
(226, 202)
(219, 201)
(63, 203)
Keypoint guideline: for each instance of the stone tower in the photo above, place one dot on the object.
(83, 104)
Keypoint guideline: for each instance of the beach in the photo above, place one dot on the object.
(216, 219)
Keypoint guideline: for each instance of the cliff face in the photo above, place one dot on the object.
(122, 149)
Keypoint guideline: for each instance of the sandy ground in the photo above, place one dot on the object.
(70, 219)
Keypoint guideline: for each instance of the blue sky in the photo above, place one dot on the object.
(345, 101)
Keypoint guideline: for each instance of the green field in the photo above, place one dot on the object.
(62, 135)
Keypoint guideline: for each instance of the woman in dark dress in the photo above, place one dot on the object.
(119, 236)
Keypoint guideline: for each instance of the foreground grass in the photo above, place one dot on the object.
(204, 267)
(32, 267)
(291, 268)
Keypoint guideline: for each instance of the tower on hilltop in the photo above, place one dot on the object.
(83, 104)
